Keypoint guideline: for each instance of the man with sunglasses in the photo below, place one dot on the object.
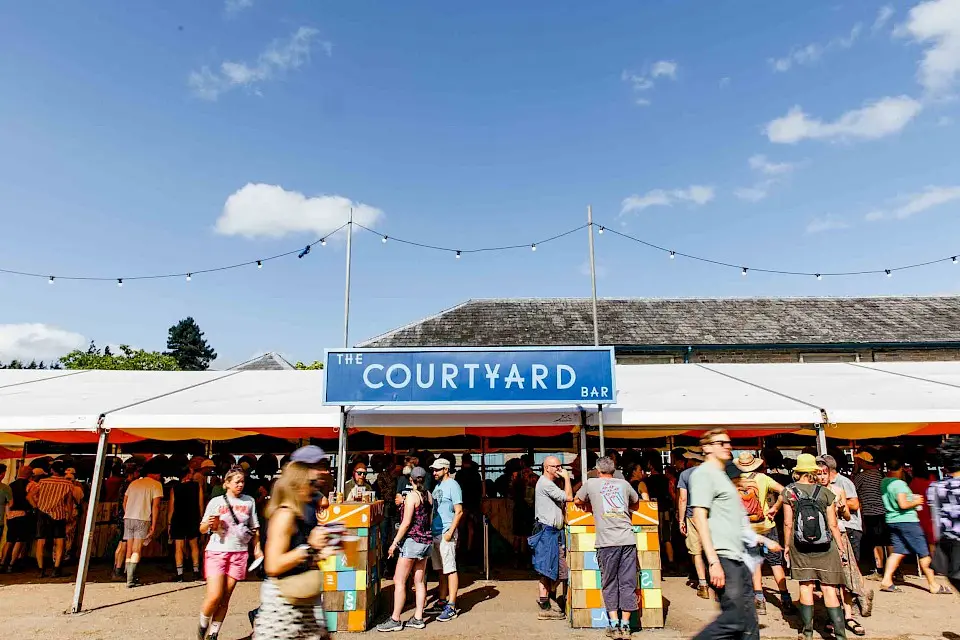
(546, 543)
(355, 486)
(720, 518)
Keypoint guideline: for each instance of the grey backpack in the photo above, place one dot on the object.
(809, 520)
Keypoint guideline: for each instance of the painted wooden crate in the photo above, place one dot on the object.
(585, 606)
(351, 580)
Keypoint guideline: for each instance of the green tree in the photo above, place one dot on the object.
(188, 347)
(308, 367)
(128, 359)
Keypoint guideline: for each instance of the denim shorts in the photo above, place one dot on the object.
(414, 550)
(907, 538)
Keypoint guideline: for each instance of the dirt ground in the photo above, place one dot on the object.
(160, 609)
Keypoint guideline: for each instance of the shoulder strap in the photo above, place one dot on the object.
(226, 499)
(816, 493)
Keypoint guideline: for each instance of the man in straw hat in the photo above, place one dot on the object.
(718, 515)
(754, 488)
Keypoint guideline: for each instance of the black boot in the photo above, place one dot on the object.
(806, 619)
(839, 623)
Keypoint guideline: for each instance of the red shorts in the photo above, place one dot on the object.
(231, 563)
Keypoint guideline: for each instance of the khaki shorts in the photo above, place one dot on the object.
(694, 547)
(443, 556)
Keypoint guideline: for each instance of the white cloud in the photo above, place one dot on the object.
(695, 194)
(666, 68)
(645, 81)
(233, 7)
(266, 210)
(914, 203)
(278, 57)
(883, 17)
(936, 23)
(36, 342)
(826, 223)
(724, 82)
(878, 119)
(760, 163)
(814, 51)
(756, 193)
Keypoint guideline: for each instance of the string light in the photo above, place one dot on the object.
(600, 231)
(673, 254)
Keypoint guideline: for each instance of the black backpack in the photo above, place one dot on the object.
(809, 520)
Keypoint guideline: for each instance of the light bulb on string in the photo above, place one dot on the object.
(533, 247)
(819, 277)
(458, 255)
(384, 239)
(50, 280)
(259, 264)
(189, 277)
(600, 231)
(120, 282)
(743, 271)
(888, 272)
(953, 259)
(673, 255)
(323, 242)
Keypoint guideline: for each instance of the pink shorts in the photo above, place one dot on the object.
(231, 563)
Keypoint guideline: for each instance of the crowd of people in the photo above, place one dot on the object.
(804, 518)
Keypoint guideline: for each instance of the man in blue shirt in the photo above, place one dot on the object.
(447, 512)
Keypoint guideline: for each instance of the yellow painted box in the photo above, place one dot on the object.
(645, 514)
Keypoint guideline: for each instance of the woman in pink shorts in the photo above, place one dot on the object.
(231, 521)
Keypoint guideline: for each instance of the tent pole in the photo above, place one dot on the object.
(583, 446)
(88, 528)
(821, 439)
(342, 445)
(596, 325)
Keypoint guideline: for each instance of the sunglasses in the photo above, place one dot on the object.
(722, 443)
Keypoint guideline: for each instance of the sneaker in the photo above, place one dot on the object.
(703, 592)
(876, 577)
(415, 623)
(613, 632)
(178, 577)
(625, 632)
(201, 632)
(437, 607)
(449, 613)
(551, 614)
(58, 572)
(390, 625)
(252, 616)
(43, 573)
(761, 607)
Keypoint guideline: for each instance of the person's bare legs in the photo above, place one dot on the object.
(40, 551)
(453, 585)
(120, 556)
(699, 567)
(58, 547)
(420, 586)
(221, 612)
(195, 554)
(400, 576)
(893, 562)
(178, 554)
(929, 574)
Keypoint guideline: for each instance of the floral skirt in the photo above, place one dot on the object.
(852, 578)
(280, 620)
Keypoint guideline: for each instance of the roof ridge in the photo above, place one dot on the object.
(706, 298)
(409, 325)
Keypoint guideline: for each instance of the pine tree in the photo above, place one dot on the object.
(188, 347)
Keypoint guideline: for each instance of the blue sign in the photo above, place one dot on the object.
(536, 375)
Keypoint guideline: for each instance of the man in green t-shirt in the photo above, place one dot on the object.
(906, 536)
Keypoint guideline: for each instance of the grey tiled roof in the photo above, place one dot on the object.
(266, 362)
(717, 321)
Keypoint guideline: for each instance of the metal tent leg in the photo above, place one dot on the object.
(821, 440)
(87, 548)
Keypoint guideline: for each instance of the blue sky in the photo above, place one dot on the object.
(142, 138)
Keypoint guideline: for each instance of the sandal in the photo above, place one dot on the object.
(856, 627)
(942, 591)
(891, 589)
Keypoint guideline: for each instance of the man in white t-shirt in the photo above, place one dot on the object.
(141, 509)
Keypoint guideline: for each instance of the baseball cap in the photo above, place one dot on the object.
(439, 463)
(829, 461)
(310, 454)
(418, 472)
(866, 456)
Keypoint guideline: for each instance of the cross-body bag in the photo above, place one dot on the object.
(244, 534)
(304, 587)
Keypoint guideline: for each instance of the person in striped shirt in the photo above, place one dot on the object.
(52, 497)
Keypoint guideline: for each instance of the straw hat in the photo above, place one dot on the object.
(748, 462)
(806, 463)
